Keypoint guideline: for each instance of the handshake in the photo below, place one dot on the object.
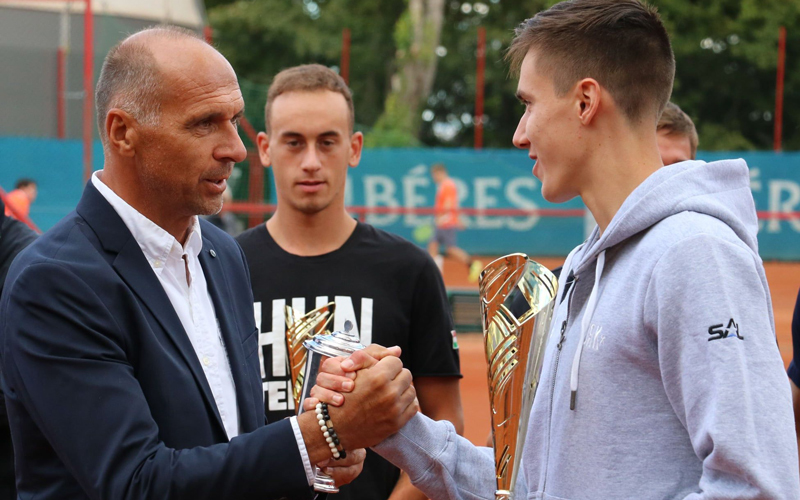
(370, 396)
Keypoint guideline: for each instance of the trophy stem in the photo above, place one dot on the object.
(502, 495)
(323, 483)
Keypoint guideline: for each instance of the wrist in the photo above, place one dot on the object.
(316, 446)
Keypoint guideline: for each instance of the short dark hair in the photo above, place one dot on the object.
(620, 43)
(130, 78)
(675, 122)
(24, 182)
(308, 78)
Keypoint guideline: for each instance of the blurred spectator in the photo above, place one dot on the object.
(20, 199)
(446, 222)
(14, 237)
(676, 135)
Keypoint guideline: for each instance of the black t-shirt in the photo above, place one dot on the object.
(387, 287)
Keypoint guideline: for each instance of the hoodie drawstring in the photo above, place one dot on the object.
(585, 324)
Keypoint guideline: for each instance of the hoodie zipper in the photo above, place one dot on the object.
(559, 346)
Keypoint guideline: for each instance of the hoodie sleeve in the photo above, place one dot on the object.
(442, 464)
(708, 306)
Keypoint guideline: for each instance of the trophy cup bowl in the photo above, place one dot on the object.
(319, 347)
(517, 298)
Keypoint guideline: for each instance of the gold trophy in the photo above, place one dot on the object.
(298, 330)
(517, 297)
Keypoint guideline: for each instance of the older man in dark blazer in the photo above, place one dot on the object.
(129, 350)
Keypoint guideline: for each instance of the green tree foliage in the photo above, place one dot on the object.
(726, 53)
(262, 37)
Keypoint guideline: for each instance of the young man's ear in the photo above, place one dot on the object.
(120, 128)
(262, 142)
(356, 146)
(588, 99)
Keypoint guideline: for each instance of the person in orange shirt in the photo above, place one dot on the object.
(18, 201)
(447, 222)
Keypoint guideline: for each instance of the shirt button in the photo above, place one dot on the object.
(206, 361)
(157, 264)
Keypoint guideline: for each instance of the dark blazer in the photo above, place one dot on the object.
(106, 397)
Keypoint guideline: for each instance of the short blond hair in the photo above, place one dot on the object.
(675, 122)
(308, 78)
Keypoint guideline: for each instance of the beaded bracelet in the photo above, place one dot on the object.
(326, 426)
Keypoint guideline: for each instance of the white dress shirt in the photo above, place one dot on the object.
(180, 273)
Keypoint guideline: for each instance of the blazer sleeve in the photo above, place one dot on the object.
(65, 361)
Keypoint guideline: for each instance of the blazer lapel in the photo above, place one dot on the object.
(221, 295)
(132, 266)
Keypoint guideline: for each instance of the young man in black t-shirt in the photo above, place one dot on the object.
(312, 252)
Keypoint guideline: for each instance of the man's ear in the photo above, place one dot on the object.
(588, 93)
(262, 142)
(356, 146)
(121, 132)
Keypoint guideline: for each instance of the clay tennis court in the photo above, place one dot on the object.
(784, 281)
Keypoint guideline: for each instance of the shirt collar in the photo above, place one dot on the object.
(155, 242)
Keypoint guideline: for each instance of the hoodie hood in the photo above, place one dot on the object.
(720, 189)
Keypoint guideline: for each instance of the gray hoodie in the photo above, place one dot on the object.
(668, 383)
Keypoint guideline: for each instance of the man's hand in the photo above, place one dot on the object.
(381, 402)
(346, 470)
(336, 375)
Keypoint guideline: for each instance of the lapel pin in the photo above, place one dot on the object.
(212, 252)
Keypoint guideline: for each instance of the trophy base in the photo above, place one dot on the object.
(323, 483)
(502, 495)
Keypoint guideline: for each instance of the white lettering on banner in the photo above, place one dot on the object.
(515, 198)
(484, 200)
(379, 191)
(413, 199)
(779, 203)
(382, 191)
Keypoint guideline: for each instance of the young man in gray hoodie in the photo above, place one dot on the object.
(662, 378)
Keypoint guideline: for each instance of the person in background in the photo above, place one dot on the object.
(447, 223)
(676, 135)
(311, 252)
(19, 200)
(14, 237)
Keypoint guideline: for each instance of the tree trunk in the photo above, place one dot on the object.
(417, 35)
